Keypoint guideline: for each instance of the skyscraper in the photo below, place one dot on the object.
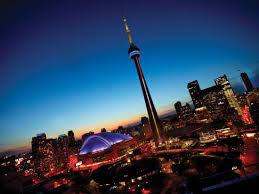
(103, 130)
(134, 54)
(247, 83)
(44, 153)
(71, 138)
(186, 111)
(146, 128)
(232, 100)
(253, 102)
(144, 121)
(63, 150)
(254, 110)
(178, 107)
(183, 112)
(195, 93)
(215, 100)
(36, 142)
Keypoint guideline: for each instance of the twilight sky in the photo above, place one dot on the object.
(64, 64)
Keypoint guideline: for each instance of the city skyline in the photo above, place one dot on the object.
(58, 89)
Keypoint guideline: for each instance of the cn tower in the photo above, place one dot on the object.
(134, 54)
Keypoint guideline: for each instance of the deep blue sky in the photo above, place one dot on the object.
(64, 65)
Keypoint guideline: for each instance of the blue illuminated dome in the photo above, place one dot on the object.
(101, 141)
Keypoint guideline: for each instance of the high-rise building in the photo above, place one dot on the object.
(134, 54)
(186, 111)
(195, 93)
(44, 153)
(231, 97)
(36, 143)
(253, 102)
(63, 150)
(146, 128)
(103, 130)
(215, 101)
(72, 143)
(247, 83)
(144, 121)
(183, 112)
(178, 107)
(254, 110)
(71, 136)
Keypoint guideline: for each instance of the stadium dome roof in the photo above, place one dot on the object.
(101, 141)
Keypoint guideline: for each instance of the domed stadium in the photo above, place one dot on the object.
(101, 141)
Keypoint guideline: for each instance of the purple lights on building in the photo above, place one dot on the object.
(101, 141)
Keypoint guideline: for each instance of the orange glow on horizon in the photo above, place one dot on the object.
(15, 147)
(25, 145)
(119, 122)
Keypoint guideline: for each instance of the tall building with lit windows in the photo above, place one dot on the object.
(195, 93)
(44, 152)
(231, 97)
(216, 102)
(183, 112)
(63, 150)
(134, 54)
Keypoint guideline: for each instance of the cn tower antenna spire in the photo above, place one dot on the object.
(134, 54)
(128, 31)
